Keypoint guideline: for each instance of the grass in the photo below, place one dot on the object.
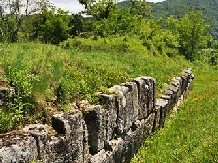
(192, 135)
(48, 78)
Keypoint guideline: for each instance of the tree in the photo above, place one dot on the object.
(55, 26)
(98, 9)
(193, 33)
(141, 7)
(13, 12)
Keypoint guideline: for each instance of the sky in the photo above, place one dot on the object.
(74, 7)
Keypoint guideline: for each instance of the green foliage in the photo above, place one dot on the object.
(10, 119)
(109, 44)
(12, 14)
(158, 40)
(141, 7)
(7, 28)
(119, 22)
(102, 9)
(193, 33)
(47, 78)
(209, 56)
(178, 8)
(55, 26)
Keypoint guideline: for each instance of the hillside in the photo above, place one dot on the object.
(179, 7)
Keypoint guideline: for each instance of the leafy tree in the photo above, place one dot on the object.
(55, 26)
(120, 22)
(13, 12)
(159, 40)
(141, 7)
(76, 24)
(193, 33)
(98, 9)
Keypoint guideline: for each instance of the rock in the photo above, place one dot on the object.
(96, 125)
(73, 138)
(40, 134)
(17, 148)
(113, 153)
(110, 106)
(146, 95)
(164, 109)
(127, 106)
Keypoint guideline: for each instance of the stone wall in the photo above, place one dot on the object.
(107, 133)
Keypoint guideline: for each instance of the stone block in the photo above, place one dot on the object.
(109, 104)
(142, 97)
(16, 147)
(133, 140)
(149, 124)
(177, 82)
(40, 134)
(187, 78)
(164, 108)
(146, 95)
(172, 92)
(73, 137)
(95, 121)
(157, 117)
(127, 106)
(151, 82)
(112, 154)
(100, 157)
(60, 150)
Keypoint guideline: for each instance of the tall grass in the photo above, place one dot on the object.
(48, 78)
(192, 135)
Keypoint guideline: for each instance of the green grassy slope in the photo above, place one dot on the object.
(192, 135)
(48, 78)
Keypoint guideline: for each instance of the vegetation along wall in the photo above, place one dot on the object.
(107, 133)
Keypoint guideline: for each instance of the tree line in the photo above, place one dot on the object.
(39, 20)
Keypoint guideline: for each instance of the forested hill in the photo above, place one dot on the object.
(178, 8)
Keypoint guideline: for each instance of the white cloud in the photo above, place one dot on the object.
(74, 6)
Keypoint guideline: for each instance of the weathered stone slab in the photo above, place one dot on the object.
(60, 151)
(133, 140)
(140, 130)
(40, 134)
(95, 121)
(100, 157)
(17, 148)
(157, 117)
(74, 141)
(146, 95)
(112, 154)
(187, 78)
(172, 92)
(109, 104)
(127, 102)
(151, 82)
(164, 108)
(142, 97)
(177, 82)
(149, 124)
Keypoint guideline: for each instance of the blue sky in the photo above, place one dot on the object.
(74, 6)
